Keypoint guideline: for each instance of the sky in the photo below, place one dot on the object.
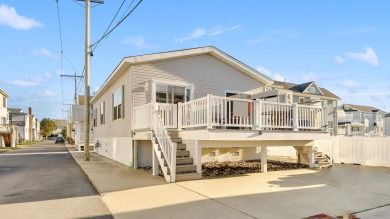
(342, 45)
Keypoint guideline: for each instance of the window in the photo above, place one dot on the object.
(301, 99)
(172, 94)
(4, 102)
(238, 95)
(118, 104)
(355, 129)
(312, 90)
(102, 106)
(94, 117)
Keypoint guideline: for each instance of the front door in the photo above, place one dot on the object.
(167, 97)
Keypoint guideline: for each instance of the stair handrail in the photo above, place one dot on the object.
(167, 146)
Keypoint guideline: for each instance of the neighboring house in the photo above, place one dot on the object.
(28, 125)
(387, 124)
(181, 108)
(360, 120)
(305, 94)
(8, 132)
(60, 125)
(78, 117)
(20, 119)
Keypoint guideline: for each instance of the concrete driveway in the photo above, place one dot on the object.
(301, 193)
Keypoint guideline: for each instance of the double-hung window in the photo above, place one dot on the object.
(118, 104)
(102, 107)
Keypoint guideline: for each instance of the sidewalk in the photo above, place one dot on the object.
(300, 193)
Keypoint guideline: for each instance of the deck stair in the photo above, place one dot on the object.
(185, 167)
(322, 160)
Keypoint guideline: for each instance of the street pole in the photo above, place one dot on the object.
(86, 81)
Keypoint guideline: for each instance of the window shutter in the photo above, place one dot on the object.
(112, 107)
(123, 101)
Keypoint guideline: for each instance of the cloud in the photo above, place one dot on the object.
(350, 84)
(220, 30)
(270, 74)
(339, 60)
(275, 35)
(264, 71)
(21, 83)
(309, 77)
(9, 17)
(355, 31)
(369, 56)
(195, 34)
(279, 77)
(44, 53)
(200, 32)
(138, 42)
(47, 94)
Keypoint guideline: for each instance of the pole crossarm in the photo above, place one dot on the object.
(93, 1)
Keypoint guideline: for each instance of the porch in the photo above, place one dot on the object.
(214, 112)
(179, 132)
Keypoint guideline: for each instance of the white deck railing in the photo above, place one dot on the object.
(168, 148)
(217, 112)
(167, 112)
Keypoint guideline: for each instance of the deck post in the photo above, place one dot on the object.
(198, 157)
(325, 116)
(155, 160)
(173, 162)
(295, 116)
(311, 156)
(179, 115)
(135, 154)
(263, 158)
(209, 111)
(258, 112)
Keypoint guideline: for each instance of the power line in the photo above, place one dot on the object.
(78, 3)
(93, 46)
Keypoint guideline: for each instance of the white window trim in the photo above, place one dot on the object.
(238, 92)
(171, 83)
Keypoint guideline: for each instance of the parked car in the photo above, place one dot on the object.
(60, 139)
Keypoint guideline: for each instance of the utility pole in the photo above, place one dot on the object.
(75, 84)
(86, 78)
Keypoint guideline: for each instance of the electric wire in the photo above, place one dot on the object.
(93, 46)
(113, 19)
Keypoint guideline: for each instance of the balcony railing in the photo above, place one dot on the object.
(222, 112)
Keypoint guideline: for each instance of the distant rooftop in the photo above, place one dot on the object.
(302, 87)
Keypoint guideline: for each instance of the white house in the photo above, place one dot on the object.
(8, 132)
(176, 109)
(360, 120)
(78, 117)
(27, 124)
(60, 125)
(308, 93)
(387, 124)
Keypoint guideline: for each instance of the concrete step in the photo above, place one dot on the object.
(173, 134)
(179, 153)
(321, 158)
(182, 153)
(325, 166)
(177, 140)
(191, 168)
(187, 176)
(182, 161)
(181, 146)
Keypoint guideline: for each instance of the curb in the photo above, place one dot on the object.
(82, 170)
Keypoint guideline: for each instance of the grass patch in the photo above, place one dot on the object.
(2, 150)
(28, 143)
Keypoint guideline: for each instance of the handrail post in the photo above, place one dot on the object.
(258, 113)
(179, 115)
(325, 117)
(173, 162)
(295, 116)
(209, 111)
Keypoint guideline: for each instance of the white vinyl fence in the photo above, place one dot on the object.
(373, 151)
